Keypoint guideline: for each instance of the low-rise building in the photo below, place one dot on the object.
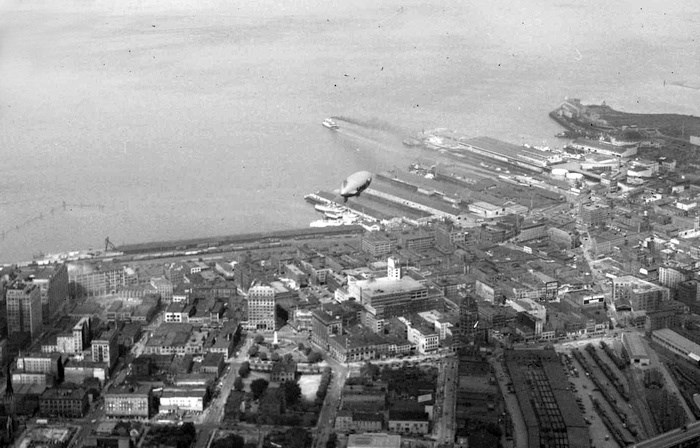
(192, 399)
(377, 440)
(64, 402)
(283, 371)
(376, 244)
(178, 312)
(408, 422)
(418, 332)
(213, 363)
(128, 402)
(78, 371)
(348, 420)
(326, 322)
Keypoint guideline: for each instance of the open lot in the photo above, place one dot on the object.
(309, 385)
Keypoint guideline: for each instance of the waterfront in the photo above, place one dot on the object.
(205, 120)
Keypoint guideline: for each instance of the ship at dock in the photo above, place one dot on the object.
(344, 219)
(329, 208)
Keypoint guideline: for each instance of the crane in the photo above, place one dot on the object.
(109, 245)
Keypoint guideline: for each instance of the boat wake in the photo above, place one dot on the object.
(374, 123)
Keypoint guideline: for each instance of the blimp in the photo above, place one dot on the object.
(355, 184)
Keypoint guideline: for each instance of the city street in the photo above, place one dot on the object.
(211, 418)
(326, 419)
(446, 401)
(519, 428)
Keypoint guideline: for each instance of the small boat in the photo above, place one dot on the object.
(411, 141)
(330, 124)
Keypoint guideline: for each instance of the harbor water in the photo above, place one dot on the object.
(147, 120)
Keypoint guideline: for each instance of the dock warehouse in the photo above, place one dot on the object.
(635, 349)
(673, 341)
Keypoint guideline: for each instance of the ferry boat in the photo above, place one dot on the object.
(330, 124)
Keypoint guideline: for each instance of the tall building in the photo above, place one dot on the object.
(469, 332)
(393, 269)
(53, 284)
(106, 348)
(671, 277)
(23, 303)
(594, 214)
(261, 308)
(82, 333)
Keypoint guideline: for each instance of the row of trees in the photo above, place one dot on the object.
(311, 356)
(323, 386)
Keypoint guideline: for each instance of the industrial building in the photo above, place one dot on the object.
(393, 295)
(676, 343)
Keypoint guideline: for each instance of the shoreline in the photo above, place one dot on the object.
(193, 246)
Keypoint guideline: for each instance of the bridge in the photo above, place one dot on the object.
(687, 436)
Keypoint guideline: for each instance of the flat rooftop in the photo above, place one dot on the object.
(384, 285)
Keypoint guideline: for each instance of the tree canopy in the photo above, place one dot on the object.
(244, 370)
(258, 387)
(292, 392)
(230, 441)
(314, 357)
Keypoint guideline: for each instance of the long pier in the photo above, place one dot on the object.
(64, 206)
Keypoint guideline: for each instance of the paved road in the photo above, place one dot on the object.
(326, 419)
(446, 401)
(211, 419)
(519, 428)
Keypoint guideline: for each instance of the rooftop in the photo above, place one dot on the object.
(374, 440)
(385, 285)
(634, 345)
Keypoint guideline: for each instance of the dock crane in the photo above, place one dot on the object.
(109, 245)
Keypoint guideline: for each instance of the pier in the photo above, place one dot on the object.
(51, 211)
